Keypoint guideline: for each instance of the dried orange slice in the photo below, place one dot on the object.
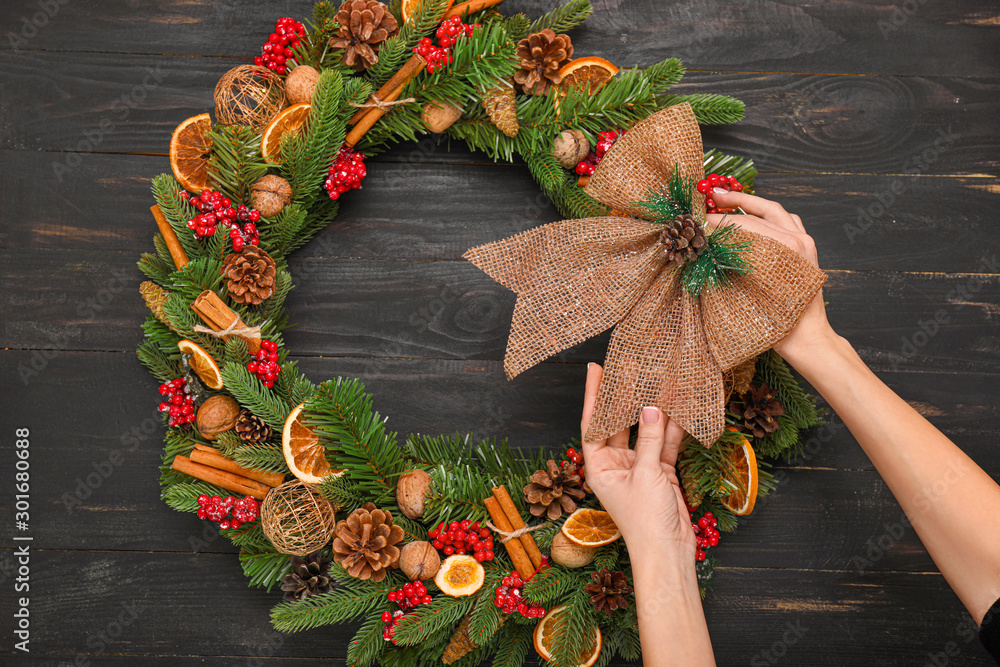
(290, 120)
(590, 528)
(202, 364)
(590, 72)
(544, 639)
(190, 148)
(410, 8)
(306, 458)
(744, 494)
(460, 575)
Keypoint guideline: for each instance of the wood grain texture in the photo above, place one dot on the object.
(847, 37)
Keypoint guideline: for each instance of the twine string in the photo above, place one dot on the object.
(376, 103)
(506, 536)
(232, 330)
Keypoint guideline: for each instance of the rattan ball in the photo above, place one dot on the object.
(297, 519)
(249, 95)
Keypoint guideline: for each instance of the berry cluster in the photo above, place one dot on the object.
(508, 598)
(451, 29)
(706, 532)
(218, 210)
(462, 537)
(407, 598)
(179, 403)
(605, 140)
(715, 181)
(278, 49)
(347, 172)
(437, 57)
(448, 33)
(265, 363)
(228, 512)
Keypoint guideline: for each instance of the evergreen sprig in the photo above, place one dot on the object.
(235, 163)
(264, 569)
(564, 17)
(253, 395)
(675, 202)
(720, 258)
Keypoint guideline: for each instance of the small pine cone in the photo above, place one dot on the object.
(607, 591)
(251, 428)
(682, 239)
(501, 106)
(364, 26)
(310, 576)
(460, 644)
(540, 56)
(691, 493)
(365, 543)
(154, 296)
(555, 490)
(739, 379)
(757, 410)
(251, 275)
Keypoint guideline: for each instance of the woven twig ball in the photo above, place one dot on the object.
(249, 95)
(297, 519)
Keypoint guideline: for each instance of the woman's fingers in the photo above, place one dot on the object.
(672, 442)
(594, 372)
(771, 211)
(619, 440)
(649, 443)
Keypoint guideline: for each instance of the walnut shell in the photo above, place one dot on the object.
(410, 490)
(570, 148)
(270, 194)
(301, 84)
(437, 119)
(419, 560)
(567, 554)
(216, 415)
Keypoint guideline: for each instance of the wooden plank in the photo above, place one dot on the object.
(842, 618)
(105, 660)
(410, 210)
(942, 39)
(131, 103)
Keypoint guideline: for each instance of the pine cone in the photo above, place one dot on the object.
(540, 56)
(552, 491)
(251, 275)
(154, 296)
(682, 239)
(365, 543)
(691, 493)
(501, 107)
(251, 428)
(756, 409)
(310, 576)
(607, 591)
(740, 378)
(364, 26)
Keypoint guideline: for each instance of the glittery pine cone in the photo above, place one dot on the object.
(682, 239)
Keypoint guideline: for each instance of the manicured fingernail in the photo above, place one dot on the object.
(720, 191)
(650, 415)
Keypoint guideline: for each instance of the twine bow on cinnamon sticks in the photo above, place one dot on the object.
(517, 539)
(577, 278)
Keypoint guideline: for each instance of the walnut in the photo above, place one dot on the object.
(216, 415)
(270, 194)
(567, 554)
(410, 490)
(419, 560)
(301, 84)
(438, 118)
(570, 148)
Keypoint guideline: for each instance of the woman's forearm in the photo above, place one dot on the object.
(950, 501)
(672, 625)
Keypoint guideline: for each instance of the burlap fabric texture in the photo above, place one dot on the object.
(577, 278)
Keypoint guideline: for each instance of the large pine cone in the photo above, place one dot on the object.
(757, 410)
(310, 576)
(682, 239)
(607, 591)
(365, 543)
(251, 428)
(555, 490)
(251, 275)
(540, 56)
(364, 26)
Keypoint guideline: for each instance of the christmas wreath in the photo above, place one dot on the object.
(418, 538)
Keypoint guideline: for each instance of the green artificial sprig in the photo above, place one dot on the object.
(721, 258)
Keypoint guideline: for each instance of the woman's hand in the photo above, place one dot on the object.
(769, 218)
(639, 488)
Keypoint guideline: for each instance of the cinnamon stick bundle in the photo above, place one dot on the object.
(226, 480)
(514, 517)
(216, 314)
(212, 457)
(410, 69)
(522, 563)
(170, 236)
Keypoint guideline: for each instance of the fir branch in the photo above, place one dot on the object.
(550, 584)
(444, 612)
(167, 192)
(720, 257)
(561, 187)
(397, 49)
(339, 491)
(517, 27)
(664, 74)
(574, 630)
(235, 163)
(155, 267)
(564, 17)
(264, 569)
(742, 169)
(512, 645)
(183, 496)
(249, 537)
(668, 206)
(798, 403)
(263, 456)
(607, 556)
(343, 604)
(159, 364)
(254, 396)
(367, 643)
(709, 108)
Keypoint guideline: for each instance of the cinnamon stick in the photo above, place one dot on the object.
(465, 8)
(514, 547)
(216, 314)
(170, 236)
(410, 69)
(226, 480)
(212, 457)
(514, 517)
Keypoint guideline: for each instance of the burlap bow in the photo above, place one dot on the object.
(577, 278)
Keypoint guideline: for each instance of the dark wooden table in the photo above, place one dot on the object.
(878, 125)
